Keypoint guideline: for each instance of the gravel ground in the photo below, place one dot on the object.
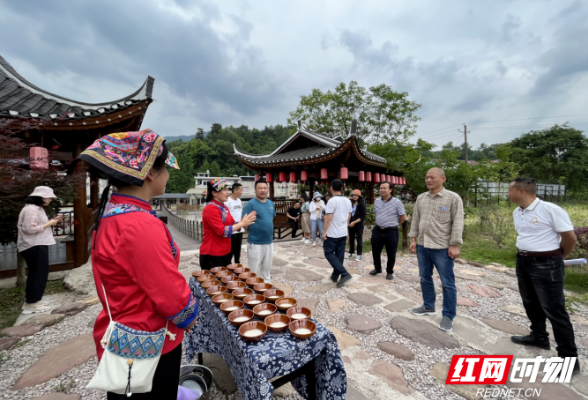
(18, 359)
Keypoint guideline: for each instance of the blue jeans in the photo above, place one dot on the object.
(314, 225)
(440, 259)
(335, 254)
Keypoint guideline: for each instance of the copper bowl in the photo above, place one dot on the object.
(233, 285)
(229, 278)
(196, 274)
(264, 309)
(278, 320)
(221, 298)
(273, 294)
(246, 275)
(223, 274)
(253, 326)
(296, 313)
(254, 281)
(215, 270)
(218, 289)
(210, 283)
(295, 328)
(232, 267)
(253, 299)
(241, 270)
(262, 287)
(232, 305)
(241, 293)
(236, 316)
(286, 303)
(204, 278)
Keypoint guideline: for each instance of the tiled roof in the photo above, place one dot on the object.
(19, 97)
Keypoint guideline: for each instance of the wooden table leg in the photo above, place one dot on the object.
(200, 359)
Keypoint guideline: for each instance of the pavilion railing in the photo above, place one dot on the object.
(192, 229)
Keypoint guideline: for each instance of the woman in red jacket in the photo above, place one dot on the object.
(218, 226)
(134, 257)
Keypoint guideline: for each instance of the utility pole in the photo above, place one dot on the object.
(465, 138)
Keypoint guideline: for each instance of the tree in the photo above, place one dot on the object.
(382, 114)
(554, 155)
(200, 134)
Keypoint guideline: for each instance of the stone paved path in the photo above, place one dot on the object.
(388, 352)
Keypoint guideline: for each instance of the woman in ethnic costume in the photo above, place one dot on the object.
(218, 226)
(134, 257)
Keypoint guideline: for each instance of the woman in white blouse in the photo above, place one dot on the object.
(317, 211)
(34, 238)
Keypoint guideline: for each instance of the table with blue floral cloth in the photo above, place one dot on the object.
(253, 364)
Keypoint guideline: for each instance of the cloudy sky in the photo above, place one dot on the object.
(502, 67)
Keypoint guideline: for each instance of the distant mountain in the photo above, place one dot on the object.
(170, 139)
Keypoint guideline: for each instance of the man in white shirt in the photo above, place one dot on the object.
(338, 214)
(235, 208)
(545, 236)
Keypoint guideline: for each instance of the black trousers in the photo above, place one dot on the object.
(384, 238)
(541, 286)
(208, 262)
(37, 259)
(236, 241)
(356, 234)
(165, 380)
(294, 226)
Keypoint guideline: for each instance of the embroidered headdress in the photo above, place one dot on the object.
(218, 184)
(127, 156)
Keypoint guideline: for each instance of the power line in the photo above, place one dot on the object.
(442, 129)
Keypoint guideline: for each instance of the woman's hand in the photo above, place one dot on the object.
(53, 221)
(189, 328)
(249, 219)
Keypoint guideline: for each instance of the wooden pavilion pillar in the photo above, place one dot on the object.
(94, 192)
(371, 195)
(80, 216)
(272, 190)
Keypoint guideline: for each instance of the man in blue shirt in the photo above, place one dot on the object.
(260, 246)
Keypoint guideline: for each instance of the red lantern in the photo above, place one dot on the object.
(282, 177)
(256, 177)
(303, 176)
(395, 180)
(361, 176)
(368, 176)
(293, 177)
(404, 181)
(324, 174)
(268, 177)
(39, 157)
(344, 173)
(376, 178)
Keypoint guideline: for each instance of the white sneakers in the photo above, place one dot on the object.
(314, 243)
(303, 239)
(358, 258)
(33, 308)
(307, 241)
(348, 255)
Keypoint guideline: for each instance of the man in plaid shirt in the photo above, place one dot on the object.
(435, 232)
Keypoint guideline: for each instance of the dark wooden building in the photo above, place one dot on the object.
(49, 120)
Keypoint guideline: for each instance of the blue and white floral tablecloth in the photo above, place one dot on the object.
(277, 354)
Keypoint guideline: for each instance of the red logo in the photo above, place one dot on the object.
(471, 370)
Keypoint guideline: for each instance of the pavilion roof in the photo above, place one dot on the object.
(19, 97)
(325, 146)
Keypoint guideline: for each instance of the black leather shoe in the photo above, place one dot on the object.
(334, 279)
(390, 277)
(375, 272)
(530, 340)
(343, 280)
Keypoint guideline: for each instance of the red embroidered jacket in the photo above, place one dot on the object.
(217, 224)
(135, 258)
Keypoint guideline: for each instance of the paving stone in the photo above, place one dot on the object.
(419, 289)
(397, 350)
(511, 272)
(466, 277)
(303, 275)
(423, 332)
(344, 340)
(472, 272)
(299, 265)
(495, 286)
(408, 278)
(45, 319)
(392, 375)
(369, 267)
(321, 256)
(581, 385)
(8, 342)
(223, 378)
(354, 286)
(353, 393)
(362, 324)
(354, 264)
(380, 279)
(505, 326)
(318, 263)
(484, 291)
(58, 360)
(353, 271)
(496, 268)
(21, 330)
(320, 289)
(440, 371)
(278, 262)
(514, 288)
(285, 287)
(276, 271)
(578, 319)
(364, 299)
(378, 289)
(70, 309)
(362, 355)
(400, 305)
(338, 304)
(461, 261)
(309, 303)
(476, 264)
(346, 360)
(516, 310)
(465, 302)
(58, 396)
(411, 295)
(495, 280)
(90, 301)
(91, 323)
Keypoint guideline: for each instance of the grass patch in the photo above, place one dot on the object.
(21, 344)
(55, 287)
(576, 280)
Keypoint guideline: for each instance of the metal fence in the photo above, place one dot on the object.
(497, 192)
(66, 226)
(192, 229)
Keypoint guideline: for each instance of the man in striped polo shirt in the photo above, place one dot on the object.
(389, 214)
